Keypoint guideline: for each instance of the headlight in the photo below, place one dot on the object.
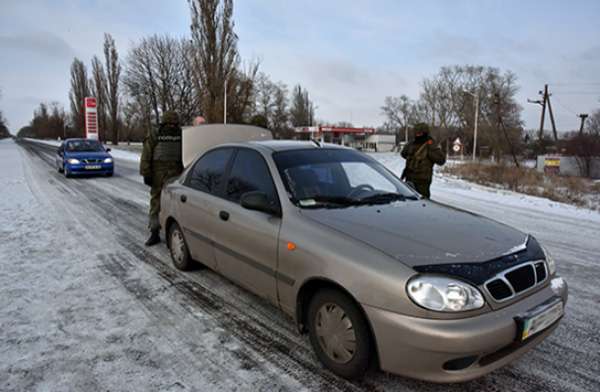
(444, 294)
(73, 161)
(108, 160)
(549, 261)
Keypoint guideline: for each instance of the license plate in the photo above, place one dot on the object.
(93, 167)
(539, 318)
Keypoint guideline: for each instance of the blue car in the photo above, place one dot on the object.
(84, 156)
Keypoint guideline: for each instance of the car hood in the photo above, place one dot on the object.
(87, 154)
(423, 232)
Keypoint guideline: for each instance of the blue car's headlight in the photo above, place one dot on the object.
(73, 161)
(108, 160)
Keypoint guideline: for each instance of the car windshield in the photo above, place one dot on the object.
(84, 146)
(316, 178)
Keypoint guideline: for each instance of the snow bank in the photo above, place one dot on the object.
(447, 189)
(124, 155)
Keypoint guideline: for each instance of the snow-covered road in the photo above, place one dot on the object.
(84, 306)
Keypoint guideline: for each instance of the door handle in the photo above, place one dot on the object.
(183, 198)
(224, 215)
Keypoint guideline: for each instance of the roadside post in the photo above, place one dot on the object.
(457, 147)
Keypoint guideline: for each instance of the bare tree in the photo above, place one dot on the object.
(593, 124)
(240, 93)
(159, 73)
(400, 113)
(79, 90)
(302, 109)
(444, 104)
(48, 122)
(3, 124)
(113, 77)
(216, 59)
(137, 118)
(279, 121)
(265, 96)
(98, 87)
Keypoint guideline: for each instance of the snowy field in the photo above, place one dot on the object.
(84, 306)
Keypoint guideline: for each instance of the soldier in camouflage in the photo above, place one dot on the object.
(160, 161)
(421, 154)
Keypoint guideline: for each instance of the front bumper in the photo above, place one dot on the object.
(82, 168)
(419, 348)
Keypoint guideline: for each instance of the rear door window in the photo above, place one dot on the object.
(208, 173)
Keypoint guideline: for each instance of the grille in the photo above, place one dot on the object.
(92, 160)
(499, 289)
(516, 280)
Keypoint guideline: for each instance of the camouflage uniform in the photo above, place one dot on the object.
(421, 154)
(160, 161)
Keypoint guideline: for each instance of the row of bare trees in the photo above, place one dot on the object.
(104, 84)
(447, 104)
(191, 75)
(4, 133)
(585, 146)
(50, 121)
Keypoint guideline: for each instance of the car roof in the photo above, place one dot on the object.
(286, 145)
(78, 139)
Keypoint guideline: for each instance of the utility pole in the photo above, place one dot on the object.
(551, 116)
(501, 124)
(476, 97)
(582, 116)
(544, 100)
(225, 103)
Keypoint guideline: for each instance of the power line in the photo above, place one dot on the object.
(575, 84)
(565, 107)
(577, 92)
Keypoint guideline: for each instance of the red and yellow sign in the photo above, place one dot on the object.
(91, 118)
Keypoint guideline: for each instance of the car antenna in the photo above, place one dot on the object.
(316, 142)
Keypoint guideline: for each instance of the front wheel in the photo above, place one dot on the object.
(180, 253)
(339, 333)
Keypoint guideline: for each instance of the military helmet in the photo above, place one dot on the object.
(421, 128)
(170, 117)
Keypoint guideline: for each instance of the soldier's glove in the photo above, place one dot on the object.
(403, 176)
(148, 180)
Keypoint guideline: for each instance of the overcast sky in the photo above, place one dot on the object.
(350, 54)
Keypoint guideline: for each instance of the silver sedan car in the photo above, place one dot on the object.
(373, 273)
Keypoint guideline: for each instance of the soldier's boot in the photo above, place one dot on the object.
(154, 238)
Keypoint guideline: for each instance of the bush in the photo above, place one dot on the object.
(572, 190)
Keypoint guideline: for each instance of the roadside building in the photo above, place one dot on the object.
(379, 142)
(360, 138)
(567, 165)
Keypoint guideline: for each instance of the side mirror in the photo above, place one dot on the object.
(258, 201)
(108, 150)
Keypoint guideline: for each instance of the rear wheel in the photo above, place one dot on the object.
(339, 333)
(180, 253)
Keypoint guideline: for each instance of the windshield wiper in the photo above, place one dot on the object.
(342, 201)
(382, 198)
